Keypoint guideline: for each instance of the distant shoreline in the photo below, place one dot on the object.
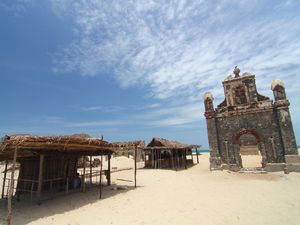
(200, 150)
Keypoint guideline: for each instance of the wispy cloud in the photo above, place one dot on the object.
(98, 123)
(16, 7)
(104, 109)
(179, 48)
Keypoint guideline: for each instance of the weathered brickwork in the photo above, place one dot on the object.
(245, 111)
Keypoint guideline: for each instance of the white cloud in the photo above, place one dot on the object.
(103, 109)
(180, 49)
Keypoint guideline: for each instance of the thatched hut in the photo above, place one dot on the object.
(163, 153)
(127, 149)
(50, 163)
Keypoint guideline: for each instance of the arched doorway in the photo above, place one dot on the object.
(249, 149)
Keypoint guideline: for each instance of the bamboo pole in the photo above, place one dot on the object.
(100, 182)
(176, 155)
(172, 154)
(31, 190)
(4, 179)
(185, 161)
(91, 170)
(135, 154)
(152, 156)
(108, 171)
(83, 178)
(40, 179)
(157, 161)
(67, 186)
(159, 158)
(11, 188)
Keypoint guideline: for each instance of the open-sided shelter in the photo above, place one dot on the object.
(163, 153)
(49, 163)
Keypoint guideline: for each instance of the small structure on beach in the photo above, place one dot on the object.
(246, 119)
(51, 163)
(163, 153)
(128, 149)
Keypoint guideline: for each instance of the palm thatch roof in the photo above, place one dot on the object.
(129, 144)
(29, 145)
(161, 143)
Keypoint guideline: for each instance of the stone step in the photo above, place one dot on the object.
(293, 167)
(292, 159)
(275, 167)
(253, 170)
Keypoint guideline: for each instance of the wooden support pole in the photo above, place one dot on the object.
(11, 188)
(135, 155)
(185, 161)
(67, 185)
(173, 159)
(197, 155)
(108, 171)
(4, 178)
(83, 177)
(157, 163)
(40, 179)
(100, 182)
(31, 190)
(91, 170)
(158, 158)
(152, 156)
(176, 155)
(155, 158)
(182, 159)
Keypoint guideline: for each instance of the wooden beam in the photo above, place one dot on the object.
(40, 179)
(4, 178)
(11, 188)
(124, 180)
(135, 155)
(100, 182)
(108, 171)
(197, 155)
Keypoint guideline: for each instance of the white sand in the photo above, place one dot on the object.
(193, 196)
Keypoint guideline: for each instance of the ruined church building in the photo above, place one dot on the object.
(246, 113)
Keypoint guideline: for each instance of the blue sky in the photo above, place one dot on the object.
(137, 69)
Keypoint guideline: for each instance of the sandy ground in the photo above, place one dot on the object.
(193, 196)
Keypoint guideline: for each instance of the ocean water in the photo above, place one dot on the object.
(200, 150)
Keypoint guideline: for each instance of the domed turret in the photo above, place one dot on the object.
(208, 95)
(278, 89)
(208, 101)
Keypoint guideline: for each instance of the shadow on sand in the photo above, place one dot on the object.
(25, 211)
